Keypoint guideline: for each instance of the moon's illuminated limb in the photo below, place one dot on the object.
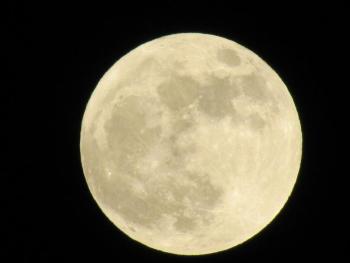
(191, 144)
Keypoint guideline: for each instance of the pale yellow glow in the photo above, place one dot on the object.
(191, 144)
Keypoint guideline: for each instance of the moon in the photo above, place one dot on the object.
(191, 144)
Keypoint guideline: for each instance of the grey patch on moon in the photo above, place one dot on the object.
(254, 86)
(180, 125)
(124, 138)
(228, 57)
(178, 92)
(201, 195)
(216, 98)
(256, 122)
(184, 224)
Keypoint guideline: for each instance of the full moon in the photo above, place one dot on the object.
(191, 144)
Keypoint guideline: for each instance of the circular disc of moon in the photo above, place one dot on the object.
(191, 144)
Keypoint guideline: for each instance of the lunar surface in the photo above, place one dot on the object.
(191, 144)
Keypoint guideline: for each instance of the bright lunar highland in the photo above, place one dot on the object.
(191, 144)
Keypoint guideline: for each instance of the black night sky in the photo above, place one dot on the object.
(54, 56)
